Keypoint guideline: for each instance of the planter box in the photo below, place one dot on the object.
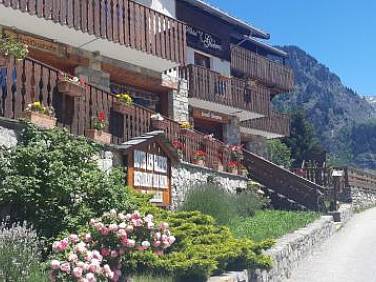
(219, 167)
(199, 162)
(99, 135)
(159, 124)
(122, 108)
(70, 88)
(234, 170)
(39, 119)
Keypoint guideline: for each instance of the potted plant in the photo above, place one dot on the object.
(218, 166)
(71, 86)
(40, 115)
(199, 157)
(185, 128)
(96, 133)
(236, 152)
(158, 122)
(179, 147)
(233, 167)
(11, 47)
(123, 104)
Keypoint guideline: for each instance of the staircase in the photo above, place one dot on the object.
(283, 182)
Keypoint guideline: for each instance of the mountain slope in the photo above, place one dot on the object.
(330, 106)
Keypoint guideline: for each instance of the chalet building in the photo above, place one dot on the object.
(183, 59)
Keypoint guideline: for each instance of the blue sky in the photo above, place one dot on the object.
(339, 33)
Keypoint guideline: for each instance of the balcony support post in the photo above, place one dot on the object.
(179, 102)
(231, 132)
(257, 145)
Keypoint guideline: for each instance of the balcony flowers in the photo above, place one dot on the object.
(199, 157)
(71, 86)
(97, 133)
(11, 47)
(158, 122)
(179, 147)
(235, 151)
(97, 254)
(233, 167)
(40, 115)
(186, 128)
(123, 104)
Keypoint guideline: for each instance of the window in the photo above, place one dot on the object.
(202, 60)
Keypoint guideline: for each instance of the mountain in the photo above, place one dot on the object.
(334, 109)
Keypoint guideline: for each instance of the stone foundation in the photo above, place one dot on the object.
(186, 175)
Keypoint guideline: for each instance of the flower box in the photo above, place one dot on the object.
(122, 108)
(159, 124)
(244, 172)
(199, 162)
(233, 170)
(219, 167)
(99, 135)
(40, 119)
(71, 88)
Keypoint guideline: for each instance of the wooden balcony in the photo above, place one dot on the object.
(23, 82)
(124, 22)
(210, 90)
(276, 125)
(247, 64)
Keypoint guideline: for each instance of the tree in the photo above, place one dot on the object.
(278, 153)
(302, 141)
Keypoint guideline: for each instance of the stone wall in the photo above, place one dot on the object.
(363, 198)
(291, 249)
(187, 175)
(9, 132)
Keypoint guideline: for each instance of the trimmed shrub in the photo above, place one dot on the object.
(19, 253)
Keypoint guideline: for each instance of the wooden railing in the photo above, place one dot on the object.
(319, 175)
(26, 81)
(248, 64)
(122, 21)
(276, 123)
(211, 86)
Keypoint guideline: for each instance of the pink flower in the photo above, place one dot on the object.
(65, 267)
(129, 229)
(94, 267)
(96, 256)
(55, 264)
(121, 233)
(108, 272)
(60, 246)
(171, 239)
(77, 272)
(80, 248)
(136, 215)
(114, 254)
(156, 244)
(90, 277)
(137, 222)
(105, 252)
(157, 235)
(150, 225)
(104, 231)
(88, 237)
(72, 257)
(131, 243)
(113, 227)
(74, 238)
(122, 217)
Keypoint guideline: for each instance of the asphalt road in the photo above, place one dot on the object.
(349, 256)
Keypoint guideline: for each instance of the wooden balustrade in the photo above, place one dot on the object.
(26, 81)
(248, 64)
(275, 123)
(121, 21)
(211, 86)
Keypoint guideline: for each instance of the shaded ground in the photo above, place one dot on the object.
(349, 256)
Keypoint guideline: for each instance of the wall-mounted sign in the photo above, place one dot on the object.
(149, 168)
(204, 41)
(37, 43)
(211, 116)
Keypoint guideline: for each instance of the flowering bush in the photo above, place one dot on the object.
(39, 108)
(233, 164)
(199, 155)
(99, 122)
(13, 47)
(96, 255)
(125, 98)
(236, 152)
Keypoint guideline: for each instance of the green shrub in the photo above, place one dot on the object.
(19, 253)
(51, 180)
(213, 200)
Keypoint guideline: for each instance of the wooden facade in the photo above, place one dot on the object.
(121, 21)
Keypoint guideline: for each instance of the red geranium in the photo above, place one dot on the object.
(199, 155)
(178, 145)
(233, 164)
(101, 117)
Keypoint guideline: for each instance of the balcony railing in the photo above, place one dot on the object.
(275, 123)
(211, 86)
(251, 65)
(23, 82)
(121, 21)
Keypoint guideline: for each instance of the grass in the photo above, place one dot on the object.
(271, 224)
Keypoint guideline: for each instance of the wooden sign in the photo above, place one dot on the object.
(149, 172)
(37, 43)
(210, 116)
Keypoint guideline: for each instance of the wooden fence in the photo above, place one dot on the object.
(251, 65)
(122, 21)
(26, 81)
